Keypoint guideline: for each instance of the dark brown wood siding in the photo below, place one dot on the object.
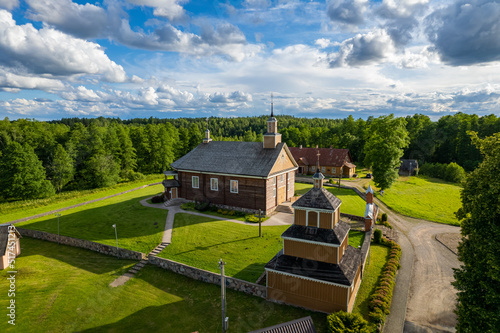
(310, 251)
(251, 191)
(308, 294)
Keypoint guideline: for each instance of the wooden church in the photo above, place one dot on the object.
(236, 175)
(316, 269)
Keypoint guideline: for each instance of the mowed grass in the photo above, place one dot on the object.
(356, 238)
(201, 241)
(422, 197)
(351, 202)
(66, 289)
(10, 211)
(139, 228)
(371, 275)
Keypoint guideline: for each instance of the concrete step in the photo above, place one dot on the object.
(133, 271)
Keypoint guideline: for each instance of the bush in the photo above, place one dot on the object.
(344, 322)
(354, 175)
(380, 300)
(251, 218)
(377, 236)
(157, 199)
(450, 172)
(187, 206)
(132, 175)
(202, 205)
(331, 181)
(384, 217)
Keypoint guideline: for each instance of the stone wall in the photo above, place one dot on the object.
(353, 217)
(82, 243)
(209, 277)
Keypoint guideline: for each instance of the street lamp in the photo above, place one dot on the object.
(58, 235)
(116, 236)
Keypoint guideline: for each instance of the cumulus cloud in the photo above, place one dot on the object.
(170, 9)
(9, 4)
(13, 82)
(85, 21)
(235, 96)
(348, 12)
(466, 33)
(48, 51)
(363, 49)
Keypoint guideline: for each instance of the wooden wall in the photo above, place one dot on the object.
(308, 294)
(354, 289)
(300, 217)
(311, 251)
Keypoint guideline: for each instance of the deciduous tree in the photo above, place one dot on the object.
(478, 278)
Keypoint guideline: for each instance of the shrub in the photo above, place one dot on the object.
(188, 206)
(251, 218)
(380, 300)
(132, 175)
(331, 180)
(354, 175)
(450, 172)
(157, 199)
(202, 205)
(344, 322)
(384, 217)
(377, 236)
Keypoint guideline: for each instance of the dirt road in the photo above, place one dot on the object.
(424, 299)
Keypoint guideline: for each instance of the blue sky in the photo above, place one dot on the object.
(176, 58)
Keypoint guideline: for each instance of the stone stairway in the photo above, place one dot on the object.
(285, 207)
(174, 202)
(137, 267)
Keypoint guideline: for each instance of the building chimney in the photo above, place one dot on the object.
(318, 176)
(300, 147)
(369, 195)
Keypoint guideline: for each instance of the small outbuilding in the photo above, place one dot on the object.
(334, 162)
(10, 246)
(408, 167)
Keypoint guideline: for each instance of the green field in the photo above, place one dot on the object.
(201, 241)
(139, 228)
(10, 211)
(422, 197)
(351, 201)
(66, 289)
(373, 269)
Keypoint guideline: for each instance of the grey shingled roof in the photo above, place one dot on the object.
(329, 236)
(343, 273)
(318, 198)
(4, 237)
(230, 157)
(302, 325)
(171, 183)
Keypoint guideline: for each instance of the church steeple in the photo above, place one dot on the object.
(318, 176)
(272, 137)
(207, 138)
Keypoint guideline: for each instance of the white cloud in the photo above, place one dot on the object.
(86, 21)
(347, 12)
(170, 9)
(50, 52)
(363, 49)
(9, 4)
(9, 81)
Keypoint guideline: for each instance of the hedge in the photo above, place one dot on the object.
(380, 300)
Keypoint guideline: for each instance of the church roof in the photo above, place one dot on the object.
(318, 198)
(320, 235)
(302, 325)
(343, 273)
(328, 156)
(232, 157)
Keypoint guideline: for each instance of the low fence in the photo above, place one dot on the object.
(209, 277)
(82, 243)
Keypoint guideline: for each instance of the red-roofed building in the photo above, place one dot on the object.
(333, 162)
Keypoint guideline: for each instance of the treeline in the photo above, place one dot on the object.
(40, 158)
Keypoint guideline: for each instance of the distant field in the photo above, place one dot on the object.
(66, 289)
(423, 197)
(139, 228)
(10, 211)
(351, 201)
(201, 241)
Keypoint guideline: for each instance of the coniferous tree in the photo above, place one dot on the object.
(478, 278)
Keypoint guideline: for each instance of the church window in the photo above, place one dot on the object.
(195, 181)
(214, 184)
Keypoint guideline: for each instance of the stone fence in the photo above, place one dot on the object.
(353, 217)
(209, 277)
(82, 243)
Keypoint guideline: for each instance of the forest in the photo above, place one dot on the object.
(38, 158)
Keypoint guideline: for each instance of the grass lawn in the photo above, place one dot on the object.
(139, 228)
(351, 202)
(371, 275)
(356, 238)
(200, 242)
(422, 197)
(10, 211)
(66, 289)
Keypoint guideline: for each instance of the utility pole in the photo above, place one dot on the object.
(58, 235)
(223, 296)
(116, 236)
